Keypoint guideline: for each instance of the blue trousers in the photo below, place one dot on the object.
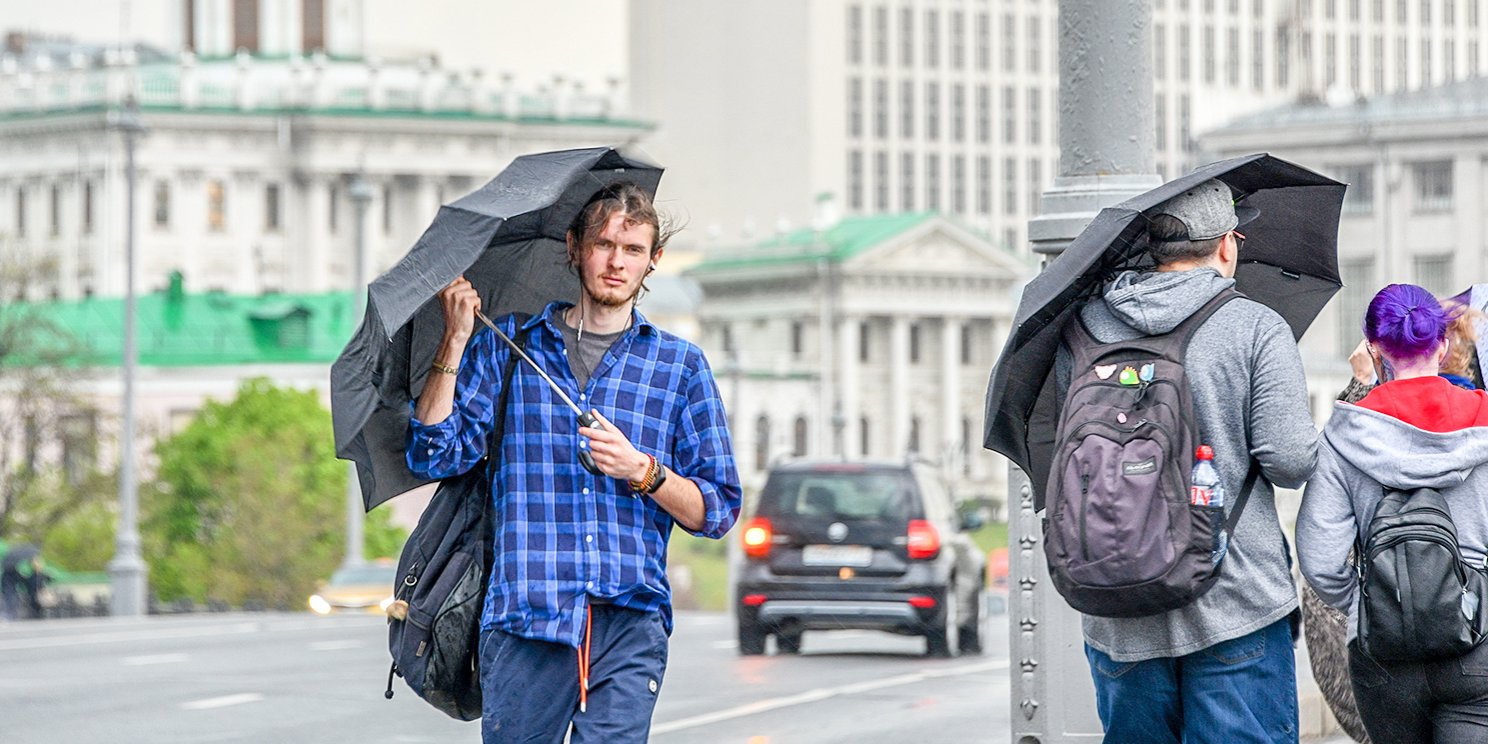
(1240, 691)
(530, 688)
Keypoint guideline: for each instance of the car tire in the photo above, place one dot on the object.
(969, 640)
(788, 643)
(751, 639)
(944, 637)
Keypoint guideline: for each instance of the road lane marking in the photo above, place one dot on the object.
(824, 693)
(127, 636)
(153, 659)
(335, 645)
(725, 644)
(222, 702)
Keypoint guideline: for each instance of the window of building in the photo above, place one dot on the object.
(1159, 51)
(245, 25)
(865, 439)
(87, 207)
(983, 42)
(1209, 54)
(1185, 141)
(1330, 9)
(983, 114)
(1232, 57)
(1009, 186)
(1426, 12)
(387, 209)
(967, 446)
(1426, 75)
(1353, 299)
(1035, 184)
(1283, 47)
(914, 343)
(932, 182)
(162, 201)
(1402, 68)
(798, 442)
(726, 337)
(914, 434)
(932, 38)
(1449, 60)
(1009, 43)
(881, 181)
(958, 184)
(1433, 186)
(984, 185)
(1035, 49)
(1434, 273)
(906, 108)
(881, 36)
(1330, 60)
(762, 442)
(855, 179)
(865, 342)
(1184, 55)
(1377, 10)
(958, 113)
(1035, 116)
(312, 26)
(958, 40)
(271, 207)
(1009, 116)
(1472, 57)
(333, 206)
(1472, 13)
(54, 213)
(881, 109)
(1402, 13)
(1449, 13)
(1377, 64)
(1353, 10)
(798, 338)
(854, 34)
(1359, 199)
(906, 182)
(906, 37)
(932, 110)
(1160, 122)
(1356, 68)
(966, 330)
(854, 107)
(20, 210)
(216, 206)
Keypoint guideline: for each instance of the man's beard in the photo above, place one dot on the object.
(607, 297)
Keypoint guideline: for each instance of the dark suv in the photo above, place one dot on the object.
(835, 545)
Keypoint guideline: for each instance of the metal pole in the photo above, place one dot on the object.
(361, 195)
(1106, 147)
(127, 570)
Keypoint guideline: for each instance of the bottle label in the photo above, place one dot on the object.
(1200, 495)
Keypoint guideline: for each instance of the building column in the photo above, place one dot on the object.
(899, 387)
(950, 396)
(847, 386)
(318, 244)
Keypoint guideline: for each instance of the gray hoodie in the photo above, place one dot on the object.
(1364, 452)
(1250, 397)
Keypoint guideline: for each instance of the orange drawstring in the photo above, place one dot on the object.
(584, 661)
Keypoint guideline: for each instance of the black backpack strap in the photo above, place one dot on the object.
(1190, 325)
(1251, 476)
(498, 431)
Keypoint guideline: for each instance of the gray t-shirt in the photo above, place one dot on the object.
(584, 354)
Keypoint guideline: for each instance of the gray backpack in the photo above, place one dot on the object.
(1120, 534)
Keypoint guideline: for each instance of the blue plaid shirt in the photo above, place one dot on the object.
(565, 537)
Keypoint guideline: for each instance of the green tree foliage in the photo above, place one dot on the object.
(248, 503)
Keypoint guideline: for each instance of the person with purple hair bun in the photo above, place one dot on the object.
(1414, 430)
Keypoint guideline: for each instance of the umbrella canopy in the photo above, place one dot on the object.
(17, 555)
(509, 239)
(1289, 263)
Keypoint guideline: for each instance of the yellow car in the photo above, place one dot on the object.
(366, 588)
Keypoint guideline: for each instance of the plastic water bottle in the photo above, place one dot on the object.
(1208, 492)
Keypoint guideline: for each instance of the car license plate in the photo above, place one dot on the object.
(837, 555)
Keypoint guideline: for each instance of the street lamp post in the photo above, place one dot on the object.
(127, 569)
(361, 195)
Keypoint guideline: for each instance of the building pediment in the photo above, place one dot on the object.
(938, 246)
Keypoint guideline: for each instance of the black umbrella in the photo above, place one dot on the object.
(508, 239)
(17, 555)
(1289, 263)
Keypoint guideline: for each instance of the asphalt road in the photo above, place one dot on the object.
(300, 678)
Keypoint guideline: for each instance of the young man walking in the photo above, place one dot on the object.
(578, 612)
(1220, 669)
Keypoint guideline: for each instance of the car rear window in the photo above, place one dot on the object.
(884, 495)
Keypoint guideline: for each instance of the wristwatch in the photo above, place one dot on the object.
(660, 479)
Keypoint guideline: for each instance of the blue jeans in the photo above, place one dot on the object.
(1240, 691)
(530, 688)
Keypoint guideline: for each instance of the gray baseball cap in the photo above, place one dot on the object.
(1207, 210)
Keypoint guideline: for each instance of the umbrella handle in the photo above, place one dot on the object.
(585, 458)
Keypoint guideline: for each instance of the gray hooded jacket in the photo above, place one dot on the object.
(1364, 452)
(1250, 397)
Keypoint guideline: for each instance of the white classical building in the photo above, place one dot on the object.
(868, 338)
(1417, 205)
(951, 105)
(247, 168)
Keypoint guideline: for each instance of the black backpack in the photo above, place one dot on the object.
(1418, 599)
(443, 573)
(1120, 535)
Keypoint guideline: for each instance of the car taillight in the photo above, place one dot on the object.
(757, 537)
(924, 540)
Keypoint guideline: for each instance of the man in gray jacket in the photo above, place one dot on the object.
(1221, 668)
